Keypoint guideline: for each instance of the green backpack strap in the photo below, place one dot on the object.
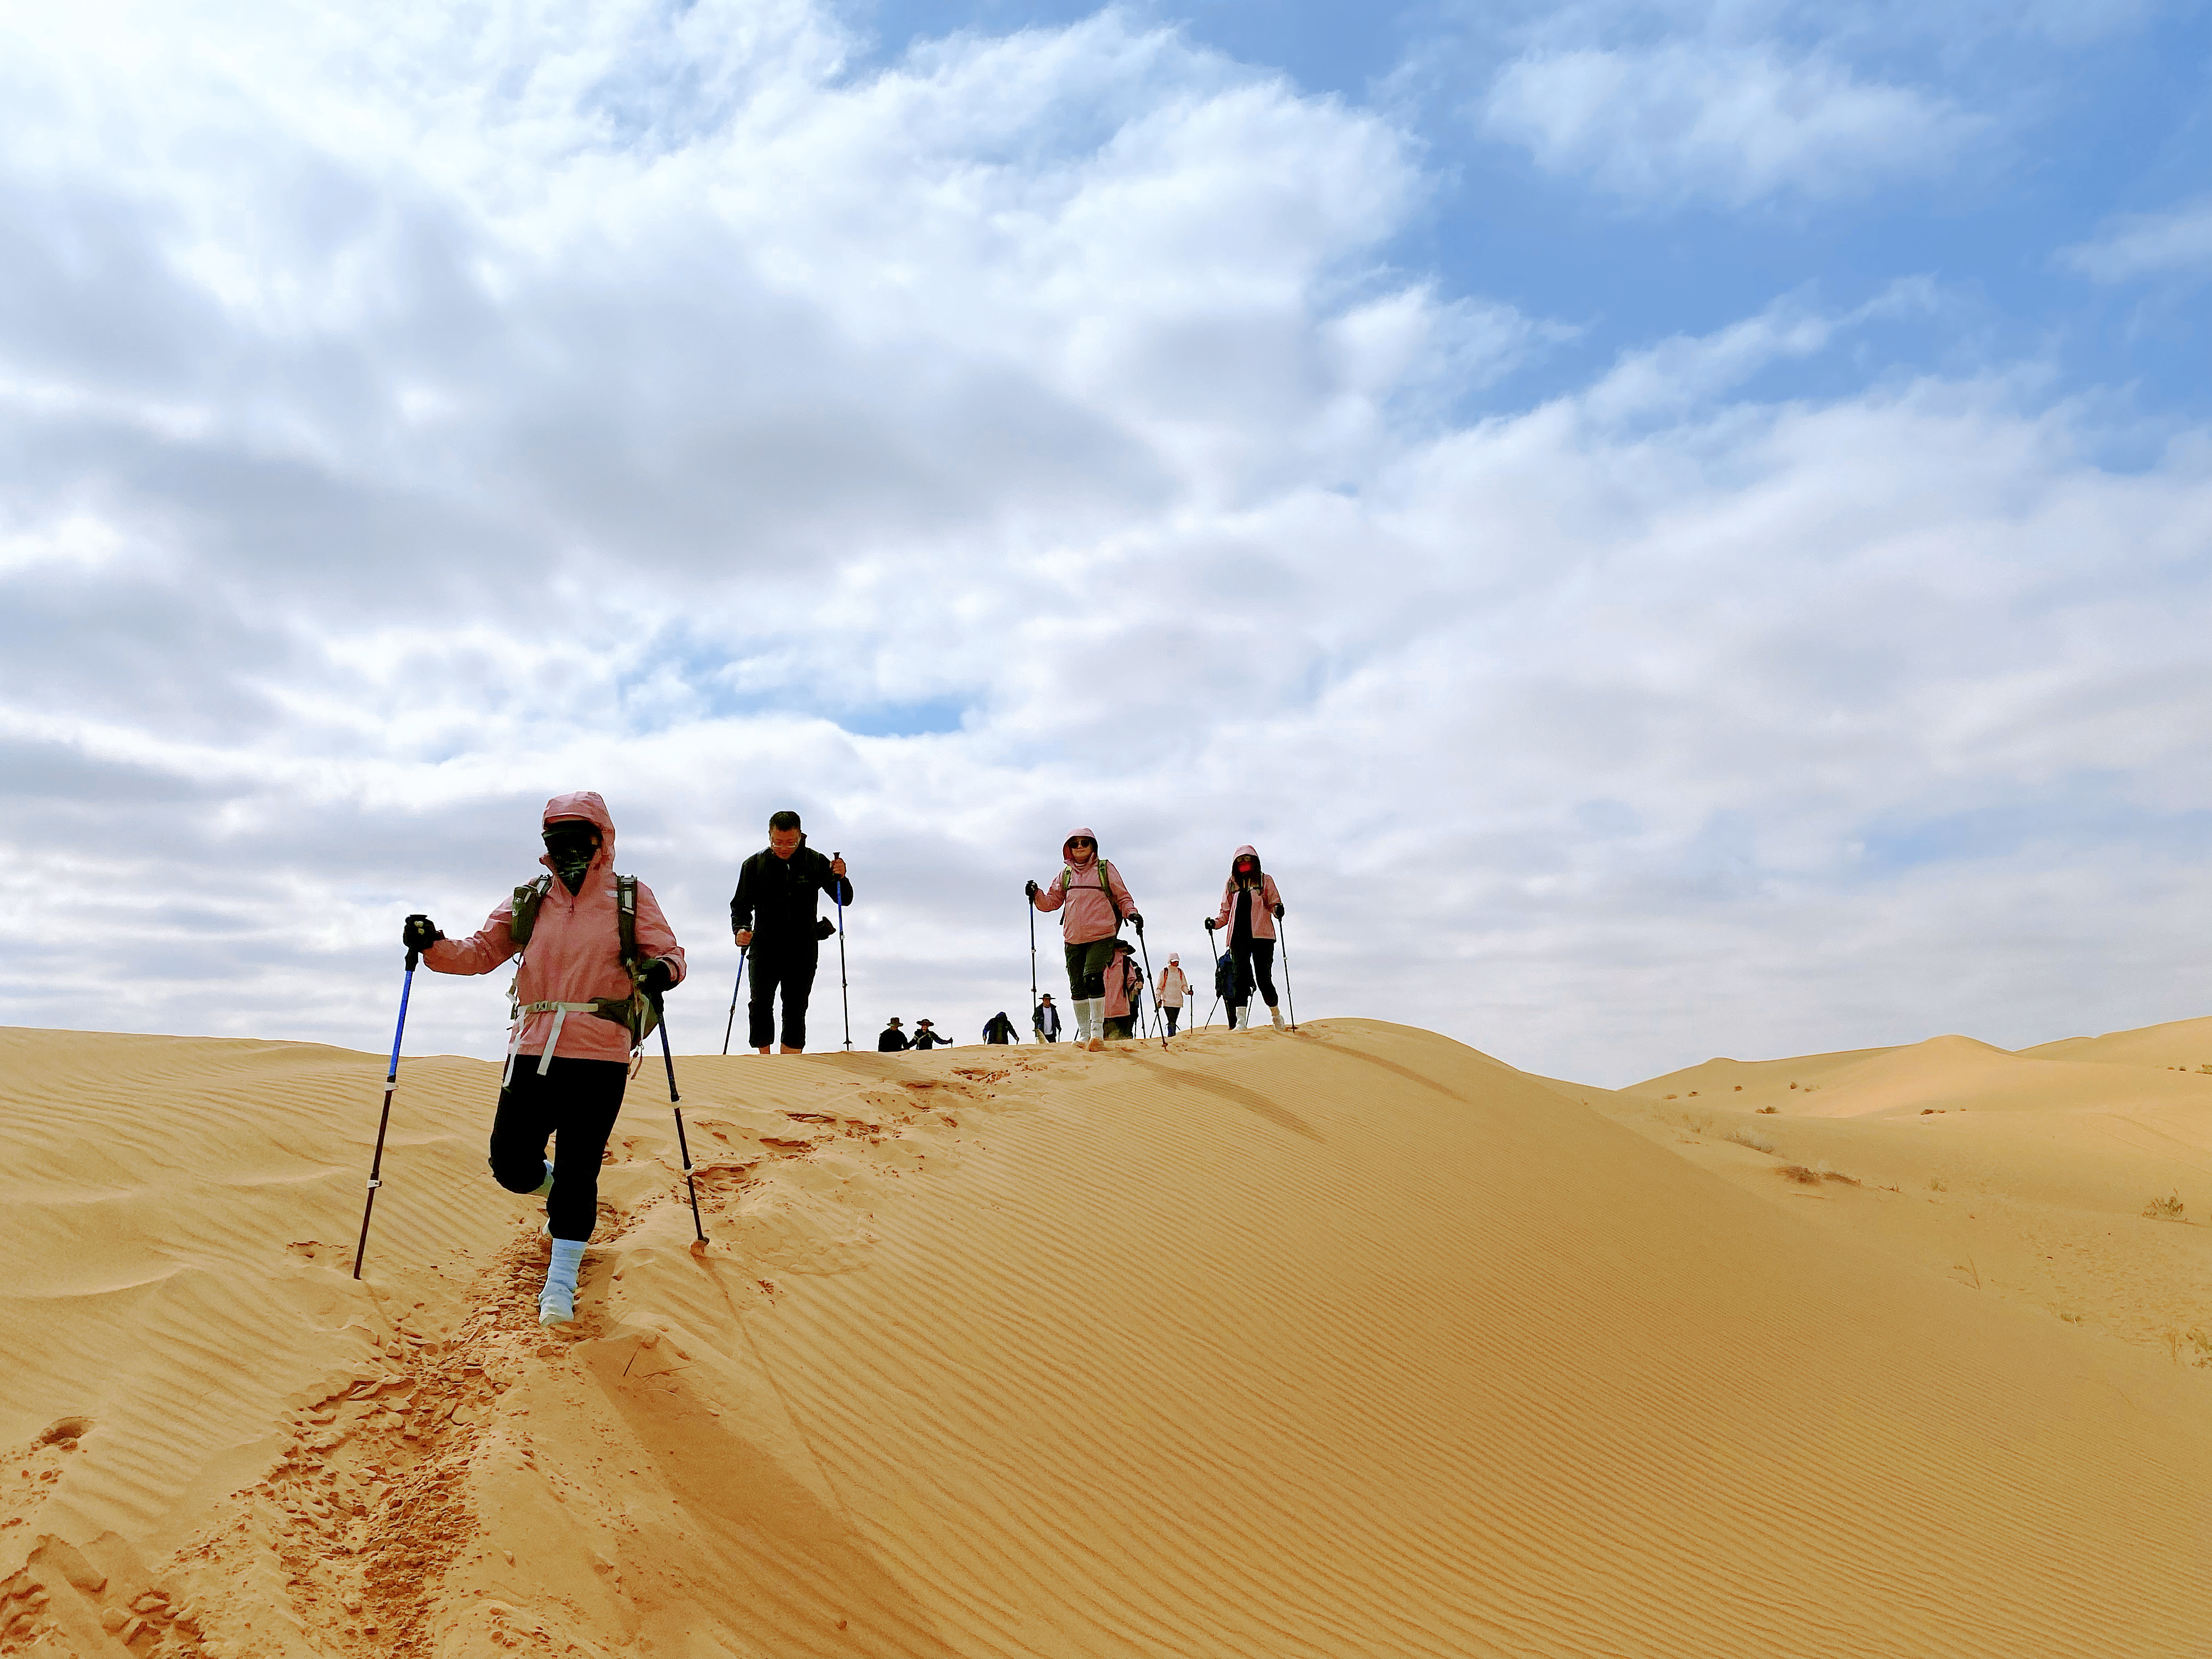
(637, 1011)
(528, 898)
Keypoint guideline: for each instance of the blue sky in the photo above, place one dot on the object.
(2074, 119)
(1678, 528)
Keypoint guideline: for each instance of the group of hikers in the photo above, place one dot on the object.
(594, 954)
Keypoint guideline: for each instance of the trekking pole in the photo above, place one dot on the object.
(1148, 979)
(844, 994)
(676, 1105)
(390, 1083)
(1283, 937)
(1028, 905)
(730, 1024)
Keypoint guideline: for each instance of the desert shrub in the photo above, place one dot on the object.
(1757, 1143)
(1935, 1184)
(2165, 1209)
(1768, 1111)
(1799, 1173)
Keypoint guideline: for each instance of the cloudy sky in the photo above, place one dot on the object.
(1678, 528)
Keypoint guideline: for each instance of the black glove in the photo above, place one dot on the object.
(823, 928)
(1136, 921)
(656, 978)
(420, 933)
(1279, 913)
(1211, 924)
(1030, 888)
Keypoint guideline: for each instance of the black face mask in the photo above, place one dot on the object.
(570, 845)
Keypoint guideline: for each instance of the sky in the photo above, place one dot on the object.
(1677, 529)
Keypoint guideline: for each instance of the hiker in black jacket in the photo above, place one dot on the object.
(772, 916)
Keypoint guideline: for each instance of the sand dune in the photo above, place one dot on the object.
(1350, 1342)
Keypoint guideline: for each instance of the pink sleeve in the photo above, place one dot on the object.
(1051, 895)
(1121, 892)
(656, 939)
(1228, 897)
(1274, 895)
(479, 953)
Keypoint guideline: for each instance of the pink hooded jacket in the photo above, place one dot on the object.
(575, 953)
(1122, 976)
(1089, 912)
(1263, 901)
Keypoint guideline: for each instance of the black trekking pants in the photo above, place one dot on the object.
(1173, 1010)
(793, 969)
(1086, 969)
(573, 1105)
(1255, 959)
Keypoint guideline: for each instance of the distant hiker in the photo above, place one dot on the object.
(891, 1040)
(1250, 895)
(1172, 989)
(1125, 990)
(1097, 903)
(772, 918)
(1045, 1022)
(1224, 985)
(597, 955)
(926, 1038)
(998, 1029)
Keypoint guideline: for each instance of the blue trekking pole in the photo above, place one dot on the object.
(391, 1085)
(844, 995)
(730, 1024)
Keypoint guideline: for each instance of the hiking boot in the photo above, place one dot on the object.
(1278, 1014)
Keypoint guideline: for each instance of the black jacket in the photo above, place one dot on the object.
(891, 1042)
(998, 1029)
(776, 898)
(928, 1040)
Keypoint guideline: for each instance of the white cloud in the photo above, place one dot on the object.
(2176, 243)
(658, 407)
(1691, 120)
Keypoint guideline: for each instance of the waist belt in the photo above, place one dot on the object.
(559, 1011)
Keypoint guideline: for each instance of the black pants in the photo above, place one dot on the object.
(1086, 968)
(1173, 1010)
(793, 969)
(574, 1105)
(1255, 959)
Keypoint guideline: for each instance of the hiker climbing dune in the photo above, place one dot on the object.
(595, 956)
(1250, 907)
(1093, 902)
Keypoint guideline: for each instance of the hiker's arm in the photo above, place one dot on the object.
(479, 953)
(1050, 897)
(656, 939)
(741, 902)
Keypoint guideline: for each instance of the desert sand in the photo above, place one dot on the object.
(1352, 1341)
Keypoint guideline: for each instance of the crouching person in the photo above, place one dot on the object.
(596, 956)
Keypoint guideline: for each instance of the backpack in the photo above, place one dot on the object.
(637, 1013)
(1106, 873)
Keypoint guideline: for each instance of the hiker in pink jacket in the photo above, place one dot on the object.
(579, 1011)
(1249, 905)
(1093, 904)
(1124, 984)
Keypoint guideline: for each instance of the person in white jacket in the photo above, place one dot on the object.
(1168, 995)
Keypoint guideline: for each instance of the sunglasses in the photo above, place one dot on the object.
(1081, 841)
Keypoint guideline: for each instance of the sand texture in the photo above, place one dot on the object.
(1349, 1342)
